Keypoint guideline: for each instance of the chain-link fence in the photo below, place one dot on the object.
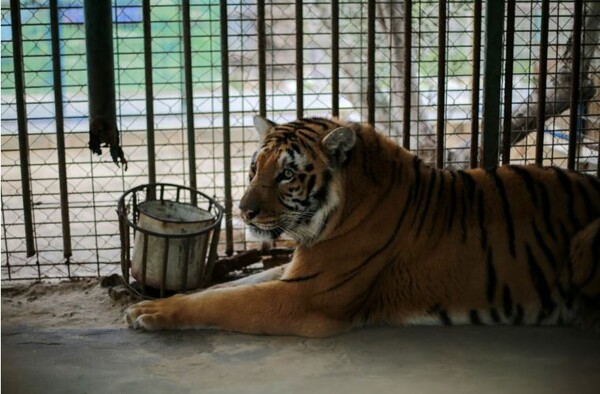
(425, 85)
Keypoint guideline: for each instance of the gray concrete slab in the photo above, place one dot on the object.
(399, 360)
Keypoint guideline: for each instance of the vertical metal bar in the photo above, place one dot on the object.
(212, 256)
(474, 150)
(494, 12)
(60, 133)
(407, 74)
(226, 129)
(165, 262)
(441, 82)
(189, 95)
(149, 91)
(575, 82)
(299, 60)
(8, 270)
(371, 63)
(262, 59)
(542, 83)
(144, 262)
(15, 15)
(186, 264)
(335, 58)
(508, 80)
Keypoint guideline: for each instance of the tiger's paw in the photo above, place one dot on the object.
(154, 315)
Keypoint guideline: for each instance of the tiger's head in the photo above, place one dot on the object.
(294, 178)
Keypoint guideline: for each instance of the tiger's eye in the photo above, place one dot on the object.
(288, 174)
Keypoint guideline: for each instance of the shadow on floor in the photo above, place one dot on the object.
(399, 360)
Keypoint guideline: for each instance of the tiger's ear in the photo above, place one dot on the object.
(262, 126)
(338, 143)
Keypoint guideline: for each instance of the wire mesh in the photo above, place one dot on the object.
(157, 93)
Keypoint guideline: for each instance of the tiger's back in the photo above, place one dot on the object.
(495, 247)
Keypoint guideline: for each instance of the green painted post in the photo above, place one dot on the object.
(494, 26)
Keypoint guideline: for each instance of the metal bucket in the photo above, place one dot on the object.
(173, 232)
(184, 257)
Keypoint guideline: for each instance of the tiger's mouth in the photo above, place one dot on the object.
(268, 231)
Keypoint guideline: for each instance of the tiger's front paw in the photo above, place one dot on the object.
(155, 315)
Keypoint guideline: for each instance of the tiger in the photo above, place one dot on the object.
(385, 239)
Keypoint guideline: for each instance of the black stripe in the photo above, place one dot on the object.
(495, 315)
(481, 214)
(565, 183)
(310, 184)
(507, 303)
(590, 208)
(519, 316)
(430, 189)
(474, 317)
(417, 170)
(439, 203)
(452, 207)
(445, 318)
(550, 257)
(301, 278)
(510, 228)
(324, 123)
(595, 258)
(469, 184)
(350, 274)
(546, 212)
(527, 178)
(539, 281)
(595, 182)
(491, 274)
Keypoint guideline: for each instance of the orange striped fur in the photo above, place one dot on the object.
(385, 239)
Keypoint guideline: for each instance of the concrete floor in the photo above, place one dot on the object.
(399, 360)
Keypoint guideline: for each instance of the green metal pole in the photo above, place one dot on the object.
(494, 26)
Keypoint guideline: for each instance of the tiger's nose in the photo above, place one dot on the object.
(249, 214)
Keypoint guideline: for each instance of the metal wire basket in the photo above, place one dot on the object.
(175, 232)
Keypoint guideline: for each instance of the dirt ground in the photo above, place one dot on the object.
(74, 304)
